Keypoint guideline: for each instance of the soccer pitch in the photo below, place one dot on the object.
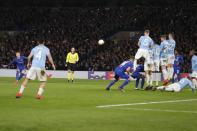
(78, 107)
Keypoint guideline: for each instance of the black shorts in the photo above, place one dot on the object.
(71, 66)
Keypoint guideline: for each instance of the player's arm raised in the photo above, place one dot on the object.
(51, 61)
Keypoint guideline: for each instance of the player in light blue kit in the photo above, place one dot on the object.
(39, 54)
(194, 67)
(20, 69)
(122, 71)
(156, 57)
(171, 57)
(177, 87)
(164, 58)
(144, 43)
(177, 66)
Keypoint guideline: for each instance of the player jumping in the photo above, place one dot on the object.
(177, 87)
(177, 65)
(164, 58)
(156, 57)
(194, 67)
(120, 72)
(20, 69)
(39, 54)
(144, 43)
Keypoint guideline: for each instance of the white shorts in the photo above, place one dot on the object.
(36, 72)
(194, 74)
(171, 58)
(142, 53)
(175, 87)
(164, 62)
(156, 65)
(148, 67)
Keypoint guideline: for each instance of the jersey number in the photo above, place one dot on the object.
(38, 55)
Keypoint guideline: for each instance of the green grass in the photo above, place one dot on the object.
(72, 107)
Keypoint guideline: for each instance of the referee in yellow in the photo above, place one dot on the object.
(71, 60)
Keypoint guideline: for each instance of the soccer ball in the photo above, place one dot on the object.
(101, 42)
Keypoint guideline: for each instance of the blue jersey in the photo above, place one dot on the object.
(20, 62)
(145, 42)
(194, 63)
(178, 59)
(156, 51)
(137, 74)
(40, 53)
(164, 50)
(171, 46)
(122, 67)
(185, 82)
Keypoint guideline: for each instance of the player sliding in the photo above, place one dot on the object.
(177, 66)
(164, 58)
(20, 69)
(177, 87)
(39, 54)
(144, 43)
(170, 59)
(120, 72)
(138, 76)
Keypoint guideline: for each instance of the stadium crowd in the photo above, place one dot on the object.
(64, 28)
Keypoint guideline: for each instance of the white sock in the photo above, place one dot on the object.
(165, 74)
(170, 72)
(151, 79)
(40, 91)
(169, 89)
(157, 79)
(161, 87)
(22, 89)
(194, 83)
(147, 79)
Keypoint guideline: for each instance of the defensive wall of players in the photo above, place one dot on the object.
(79, 74)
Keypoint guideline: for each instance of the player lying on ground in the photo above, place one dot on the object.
(177, 66)
(39, 54)
(176, 87)
(122, 71)
(138, 76)
(20, 69)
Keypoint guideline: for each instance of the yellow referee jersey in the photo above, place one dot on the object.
(72, 58)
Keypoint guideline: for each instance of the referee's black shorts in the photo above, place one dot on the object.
(71, 66)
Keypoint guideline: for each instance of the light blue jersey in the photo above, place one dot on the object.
(194, 63)
(151, 53)
(40, 53)
(171, 46)
(156, 51)
(185, 82)
(145, 42)
(164, 50)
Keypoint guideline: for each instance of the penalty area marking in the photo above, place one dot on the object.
(140, 109)
(144, 103)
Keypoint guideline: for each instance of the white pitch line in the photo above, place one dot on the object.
(144, 103)
(176, 111)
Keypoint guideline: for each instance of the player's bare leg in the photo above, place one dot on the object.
(23, 86)
(41, 90)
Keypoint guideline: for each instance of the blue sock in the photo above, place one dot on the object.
(173, 80)
(137, 83)
(142, 83)
(17, 75)
(125, 83)
(21, 75)
(179, 78)
(114, 81)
